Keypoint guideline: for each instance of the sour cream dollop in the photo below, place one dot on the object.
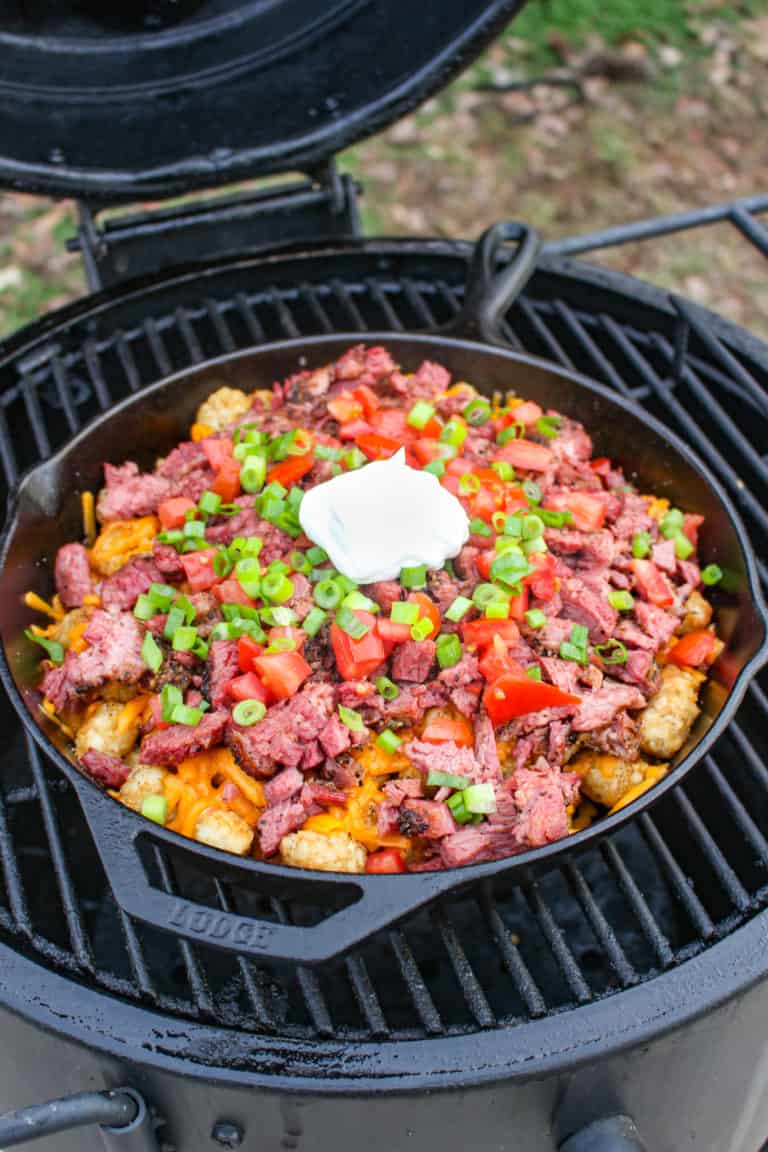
(384, 517)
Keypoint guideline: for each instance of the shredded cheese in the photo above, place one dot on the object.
(654, 773)
(89, 517)
(92, 600)
(358, 819)
(119, 540)
(50, 711)
(658, 506)
(200, 431)
(192, 789)
(75, 642)
(32, 600)
(131, 712)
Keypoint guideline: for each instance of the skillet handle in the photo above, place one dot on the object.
(488, 297)
(372, 902)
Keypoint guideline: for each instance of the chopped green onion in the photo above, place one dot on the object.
(184, 639)
(671, 523)
(161, 596)
(325, 452)
(448, 650)
(344, 583)
(246, 546)
(497, 610)
(480, 798)
(508, 544)
(248, 576)
(200, 649)
(386, 688)
(248, 433)
(621, 600)
(358, 600)
(175, 619)
(352, 719)
(354, 459)
(248, 712)
(183, 714)
(469, 484)
(144, 609)
(535, 618)
(54, 649)
(420, 414)
(579, 635)
(548, 426)
(174, 536)
(403, 613)
(299, 562)
(446, 780)
(209, 503)
(415, 577)
(169, 698)
(458, 808)
(327, 594)
(279, 617)
(155, 808)
(151, 653)
(316, 555)
(349, 623)
(240, 611)
(532, 547)
(454, 432)
(513, 431)
(641, 545)
(612, 652)
(503, 470)
(534, 672)
(533, 526)
(276, 588)
(477, 412)
(436, 467)
(554, 519)
(573, 652)
(712, 574)
(510, 568)
(422, 628)
(683, 546)
(222, 563)
(532, 492)
(499, 520)
(485, 594)
(313, 621)
(513, 526)
(479, 527)
(388, 741)
(193, 530)
(458, 609)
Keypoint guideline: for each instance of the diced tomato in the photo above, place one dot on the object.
(428, 609)
(526, 413)
(512, 696)
(171, 512)
(458, 466)
(227, 481)
(484, 561)
(230, 592)
(367, 398)
(601, 465)
(392, 633)
(287, 632)
(345, 408)
(518, 605)
(248, 687)
(384, 861)
(515, 500)
(288, 471)
(694, 649)
(482, 632)
(426, 450)
(652, 583)
(198, 569)
(450, 483)
(588, 511)
(431, 429)
(440, 728)
(496, 661)
(485, 502)
(283, 673)
(353, 429)
(542, 580)
(217, 450)
(156, 708)
(391, 422)
(377, 447)
(526, 455)
(692, 521)
(247, 651)
(355, 659)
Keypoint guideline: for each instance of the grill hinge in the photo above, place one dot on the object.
(120, 247)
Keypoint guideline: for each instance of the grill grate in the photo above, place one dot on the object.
(658, 892)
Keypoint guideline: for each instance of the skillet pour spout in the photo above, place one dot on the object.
(45, 513)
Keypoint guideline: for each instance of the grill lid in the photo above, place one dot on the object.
(148, 107)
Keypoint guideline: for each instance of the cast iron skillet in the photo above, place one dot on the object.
(45, 513)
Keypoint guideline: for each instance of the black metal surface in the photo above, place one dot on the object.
(234, 88)
(350, 909)
(508, 986)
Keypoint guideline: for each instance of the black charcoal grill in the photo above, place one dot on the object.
(617, 1003)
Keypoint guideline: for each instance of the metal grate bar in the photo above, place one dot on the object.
(195, 977)
(136, 959)
(450, 297)
(511, 958)
(750, 228)
(13, 882)
(549, 340)
(308, 983)
(367, 999)
(599, 359)
(80, 945)
(312, 298)
(253, 325)
(64, 395)
(93, 364)
(746, 824)
(348, 306)
(414, 981)
(246, 968)
(418, 303)
(730, 882)
(557, 944)
(191, 342)
(218, 319)
(600, 926)
(696, 911)
(721, 353)
(749, 755)
(127, 362)
(7, 454)
(474, 996)
(284, 315)
(637, 902)
(32, 405)
(381, 300)
(157, 347)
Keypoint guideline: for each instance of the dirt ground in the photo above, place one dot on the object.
(607, 136)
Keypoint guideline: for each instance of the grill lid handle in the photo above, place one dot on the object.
(487, 296)
(611, 1134)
